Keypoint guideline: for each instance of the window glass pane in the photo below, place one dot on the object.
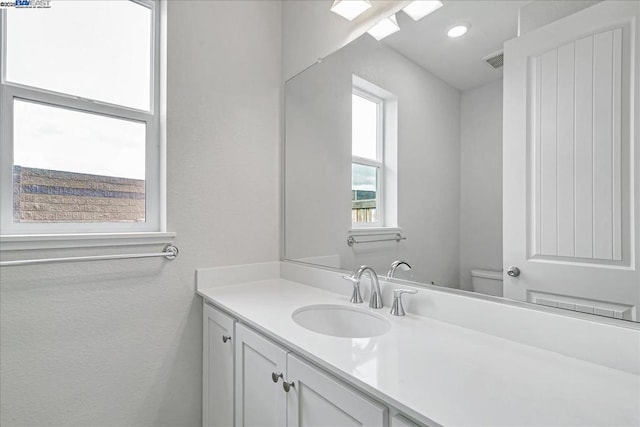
(93, 49)
(364, 127)
(364, 188)
(71, 166)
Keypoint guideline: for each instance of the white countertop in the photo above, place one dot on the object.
(437, 372)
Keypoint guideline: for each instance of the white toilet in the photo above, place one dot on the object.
(487, 282)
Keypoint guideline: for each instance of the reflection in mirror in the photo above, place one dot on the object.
(393, 151)
(322, 210)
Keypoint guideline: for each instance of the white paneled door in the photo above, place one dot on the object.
(571, 162)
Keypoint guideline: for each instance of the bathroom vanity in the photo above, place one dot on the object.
(262, 368)
(269, 382)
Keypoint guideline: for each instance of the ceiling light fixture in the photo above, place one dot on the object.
(384, 28)
(350, 9)
(457, 31)
(420, 8)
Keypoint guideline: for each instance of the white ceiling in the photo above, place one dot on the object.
(459, 61)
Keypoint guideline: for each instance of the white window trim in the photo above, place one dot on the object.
(45, 235)
(377, 163)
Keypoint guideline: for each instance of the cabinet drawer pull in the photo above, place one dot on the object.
(276, 377)
(226, 338)
(288, 385)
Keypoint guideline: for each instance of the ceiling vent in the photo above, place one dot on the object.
(495, 60)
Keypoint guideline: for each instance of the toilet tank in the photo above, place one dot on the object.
(487, 282)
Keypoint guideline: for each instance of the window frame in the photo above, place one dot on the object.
(154, 144)
(378, 163)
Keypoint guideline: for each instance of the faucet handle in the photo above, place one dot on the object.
(351, 279)
(398, 292)
(356, 296)
(396, 308)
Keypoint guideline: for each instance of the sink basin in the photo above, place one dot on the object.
(341, 321)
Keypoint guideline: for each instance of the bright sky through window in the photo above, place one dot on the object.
(364, 127)
(92, 49)
(66, 140)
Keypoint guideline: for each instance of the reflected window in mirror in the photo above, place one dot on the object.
(368, 202)
(367, 163)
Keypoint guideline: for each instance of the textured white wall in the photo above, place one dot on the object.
(481, 180)
(119, 342)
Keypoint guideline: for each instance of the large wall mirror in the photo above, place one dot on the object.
(394, 151)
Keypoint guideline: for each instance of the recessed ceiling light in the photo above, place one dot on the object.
(384, 28)
(457, 31)
(420, 8)
(350, 9)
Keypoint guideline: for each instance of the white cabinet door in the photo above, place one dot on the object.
(318, 400)
(259, 400)
(217, 368)
(571, 162)
(400, 421)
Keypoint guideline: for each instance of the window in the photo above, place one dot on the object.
(374, 161)
(79, 108)
(367, 165)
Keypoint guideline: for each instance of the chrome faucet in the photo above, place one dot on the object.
(376, 298)
(356, 296)
(397, 309)
(394, 267)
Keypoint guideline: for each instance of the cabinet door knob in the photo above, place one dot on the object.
(226, 338)
(276, 377)
(288, 385)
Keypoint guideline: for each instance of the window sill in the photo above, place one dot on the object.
(59, 241)
(364, 231)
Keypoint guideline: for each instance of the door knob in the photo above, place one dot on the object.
(513, 271)
(226, 338)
